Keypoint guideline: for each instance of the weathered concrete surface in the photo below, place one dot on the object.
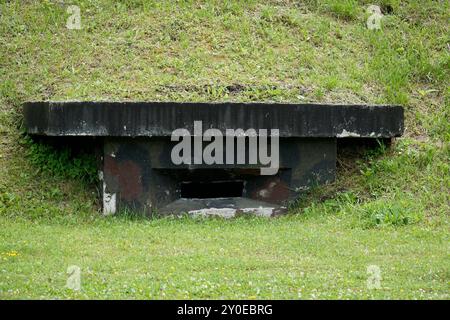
(148, 119)
(139, 174)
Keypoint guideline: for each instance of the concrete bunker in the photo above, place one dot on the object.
(135, 146)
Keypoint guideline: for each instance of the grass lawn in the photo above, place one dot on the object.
(290, 257)
(388, 211)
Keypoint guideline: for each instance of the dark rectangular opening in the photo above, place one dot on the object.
(215, 189)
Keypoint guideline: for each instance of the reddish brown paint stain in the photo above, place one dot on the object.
(128, 175)
(275, 189)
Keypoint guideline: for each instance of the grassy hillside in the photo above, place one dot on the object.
(389, 207)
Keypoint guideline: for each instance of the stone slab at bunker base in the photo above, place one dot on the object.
(138, 173)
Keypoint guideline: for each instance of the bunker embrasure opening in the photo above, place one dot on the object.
(212, 189)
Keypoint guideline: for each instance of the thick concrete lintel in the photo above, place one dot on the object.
(161, 118)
